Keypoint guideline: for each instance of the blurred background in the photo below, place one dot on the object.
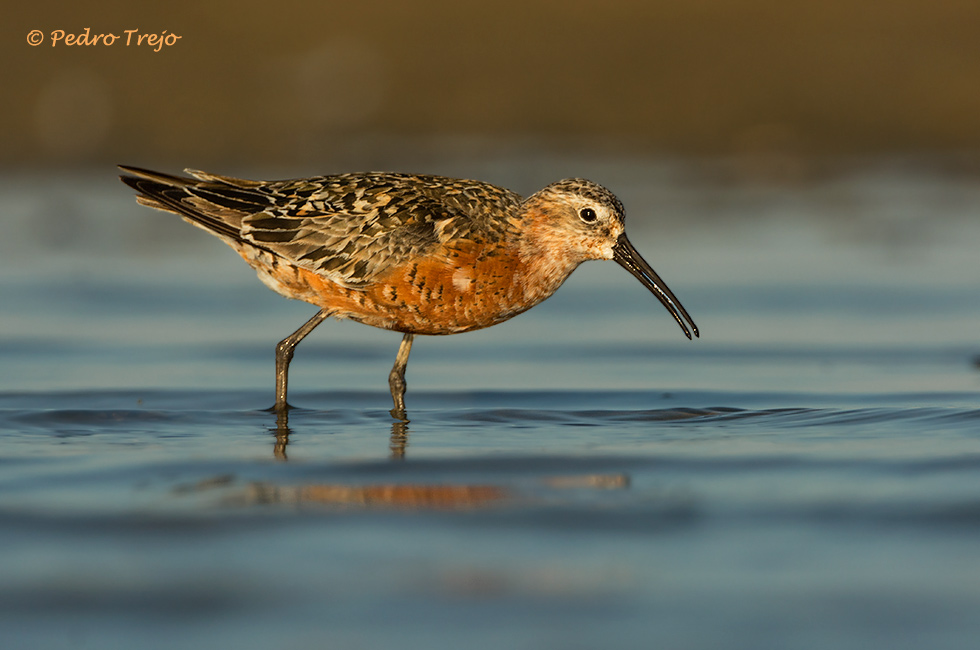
(319, 85)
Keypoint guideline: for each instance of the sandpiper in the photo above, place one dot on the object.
(411, 253)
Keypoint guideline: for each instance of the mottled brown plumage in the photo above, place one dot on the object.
(411, 253)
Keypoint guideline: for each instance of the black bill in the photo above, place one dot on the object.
(628, 258)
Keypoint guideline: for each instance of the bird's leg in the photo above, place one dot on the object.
(396, 379)
(284, 354)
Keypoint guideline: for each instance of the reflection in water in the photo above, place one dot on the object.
(386, 496)
(399, 439)
(408, 496)
(281, 432)
(399, 436)
(400, 496)
(598, 481)
(390, 496)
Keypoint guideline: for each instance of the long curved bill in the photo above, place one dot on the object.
(629, 259)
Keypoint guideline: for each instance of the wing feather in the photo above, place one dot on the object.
(348, 228)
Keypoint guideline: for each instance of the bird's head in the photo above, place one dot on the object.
(575, 220)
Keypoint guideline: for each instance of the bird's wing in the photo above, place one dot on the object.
(349, 228)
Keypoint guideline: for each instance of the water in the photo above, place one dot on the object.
(807, 475)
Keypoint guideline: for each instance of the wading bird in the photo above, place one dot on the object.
(410, 253)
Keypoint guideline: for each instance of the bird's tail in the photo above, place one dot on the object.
(215, 203)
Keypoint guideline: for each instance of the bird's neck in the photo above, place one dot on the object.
(545, 256)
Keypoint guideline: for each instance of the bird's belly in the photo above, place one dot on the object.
(445, 294)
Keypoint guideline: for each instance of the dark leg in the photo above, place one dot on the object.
(284, 354)
(396, 379)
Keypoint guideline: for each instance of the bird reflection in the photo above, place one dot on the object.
(281, 432)
(408, 496)
(401, 496)
(399, 439)
(397, 445)
(382, 496)
(396, 496)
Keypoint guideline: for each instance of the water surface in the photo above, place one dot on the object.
(804, 476)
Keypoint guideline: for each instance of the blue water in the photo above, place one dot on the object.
(807, 475)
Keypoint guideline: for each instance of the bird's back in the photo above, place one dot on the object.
(349, 228)
(422, 254)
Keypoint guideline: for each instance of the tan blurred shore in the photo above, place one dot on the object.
(294, 83)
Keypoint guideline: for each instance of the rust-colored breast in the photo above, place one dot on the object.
(452, 290)
(462, 289)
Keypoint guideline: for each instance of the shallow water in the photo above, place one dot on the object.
(807, 475)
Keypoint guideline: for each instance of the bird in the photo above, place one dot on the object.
(415, 254)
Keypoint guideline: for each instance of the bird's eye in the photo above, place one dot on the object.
(587, 215)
